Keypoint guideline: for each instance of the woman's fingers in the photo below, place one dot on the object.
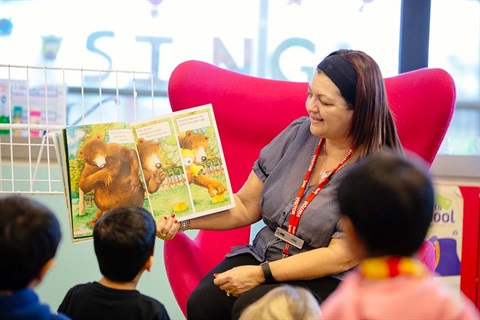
(166, 229)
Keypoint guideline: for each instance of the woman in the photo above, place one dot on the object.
(292, 189)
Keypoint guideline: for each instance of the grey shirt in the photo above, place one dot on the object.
(282, 166)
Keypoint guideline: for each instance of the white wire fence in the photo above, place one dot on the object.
(38, 102)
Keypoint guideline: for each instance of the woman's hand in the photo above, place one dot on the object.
(240, 279)
(167, 227)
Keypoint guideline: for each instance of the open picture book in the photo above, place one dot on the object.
(172, 164)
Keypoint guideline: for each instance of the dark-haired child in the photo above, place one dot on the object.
(29, 237)
(124, 241)
(387, 203)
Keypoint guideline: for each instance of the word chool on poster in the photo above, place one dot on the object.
(172, 164)
(446, 233)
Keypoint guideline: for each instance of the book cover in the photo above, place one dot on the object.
(172, 164)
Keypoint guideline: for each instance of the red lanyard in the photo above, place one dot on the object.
(296, 212)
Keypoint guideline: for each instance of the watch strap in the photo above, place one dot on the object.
(267, 272)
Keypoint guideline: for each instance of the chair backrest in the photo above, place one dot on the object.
(250, 111)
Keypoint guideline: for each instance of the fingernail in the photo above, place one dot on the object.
(215, 275)
(173, 215)
(164, 217)
(176, 221)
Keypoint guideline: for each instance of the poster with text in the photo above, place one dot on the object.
(446, 233)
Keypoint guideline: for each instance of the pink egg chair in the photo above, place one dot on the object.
(250, 111)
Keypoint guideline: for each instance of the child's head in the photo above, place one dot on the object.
(124, 240)
(286, 303)
(29, 237)
(388, 201)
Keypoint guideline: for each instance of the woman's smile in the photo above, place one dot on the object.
(315, 119)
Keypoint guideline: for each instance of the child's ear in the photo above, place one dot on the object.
(43, 272)
(149, 263)
(46, 267)
(354, 240)
(347, 226)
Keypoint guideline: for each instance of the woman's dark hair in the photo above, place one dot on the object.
(390, 201)
(124, 239)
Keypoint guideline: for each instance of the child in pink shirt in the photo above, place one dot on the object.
(387, 203)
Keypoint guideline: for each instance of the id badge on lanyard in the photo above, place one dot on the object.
(289, 238)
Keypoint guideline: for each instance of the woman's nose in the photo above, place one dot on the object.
(311, 105)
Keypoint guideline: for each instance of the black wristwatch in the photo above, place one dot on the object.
(267, 272)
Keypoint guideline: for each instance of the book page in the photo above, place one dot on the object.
(162, 167)
(196, 180)
(104, 173)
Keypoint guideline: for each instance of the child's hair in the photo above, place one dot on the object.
(389, 200)
(29, 237)
(285, 302)
(124, 239)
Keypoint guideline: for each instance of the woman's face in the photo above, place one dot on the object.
(329, 116)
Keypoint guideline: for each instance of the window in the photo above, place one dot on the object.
(281, 39)
(455, 47)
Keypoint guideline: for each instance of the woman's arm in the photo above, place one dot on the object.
(315, 263)
(245, 212)
(303, 266)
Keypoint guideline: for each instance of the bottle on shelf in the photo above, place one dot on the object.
(5, 114)
(35, 117)
(17, 118)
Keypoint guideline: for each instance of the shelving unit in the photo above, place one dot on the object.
(28, 158)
